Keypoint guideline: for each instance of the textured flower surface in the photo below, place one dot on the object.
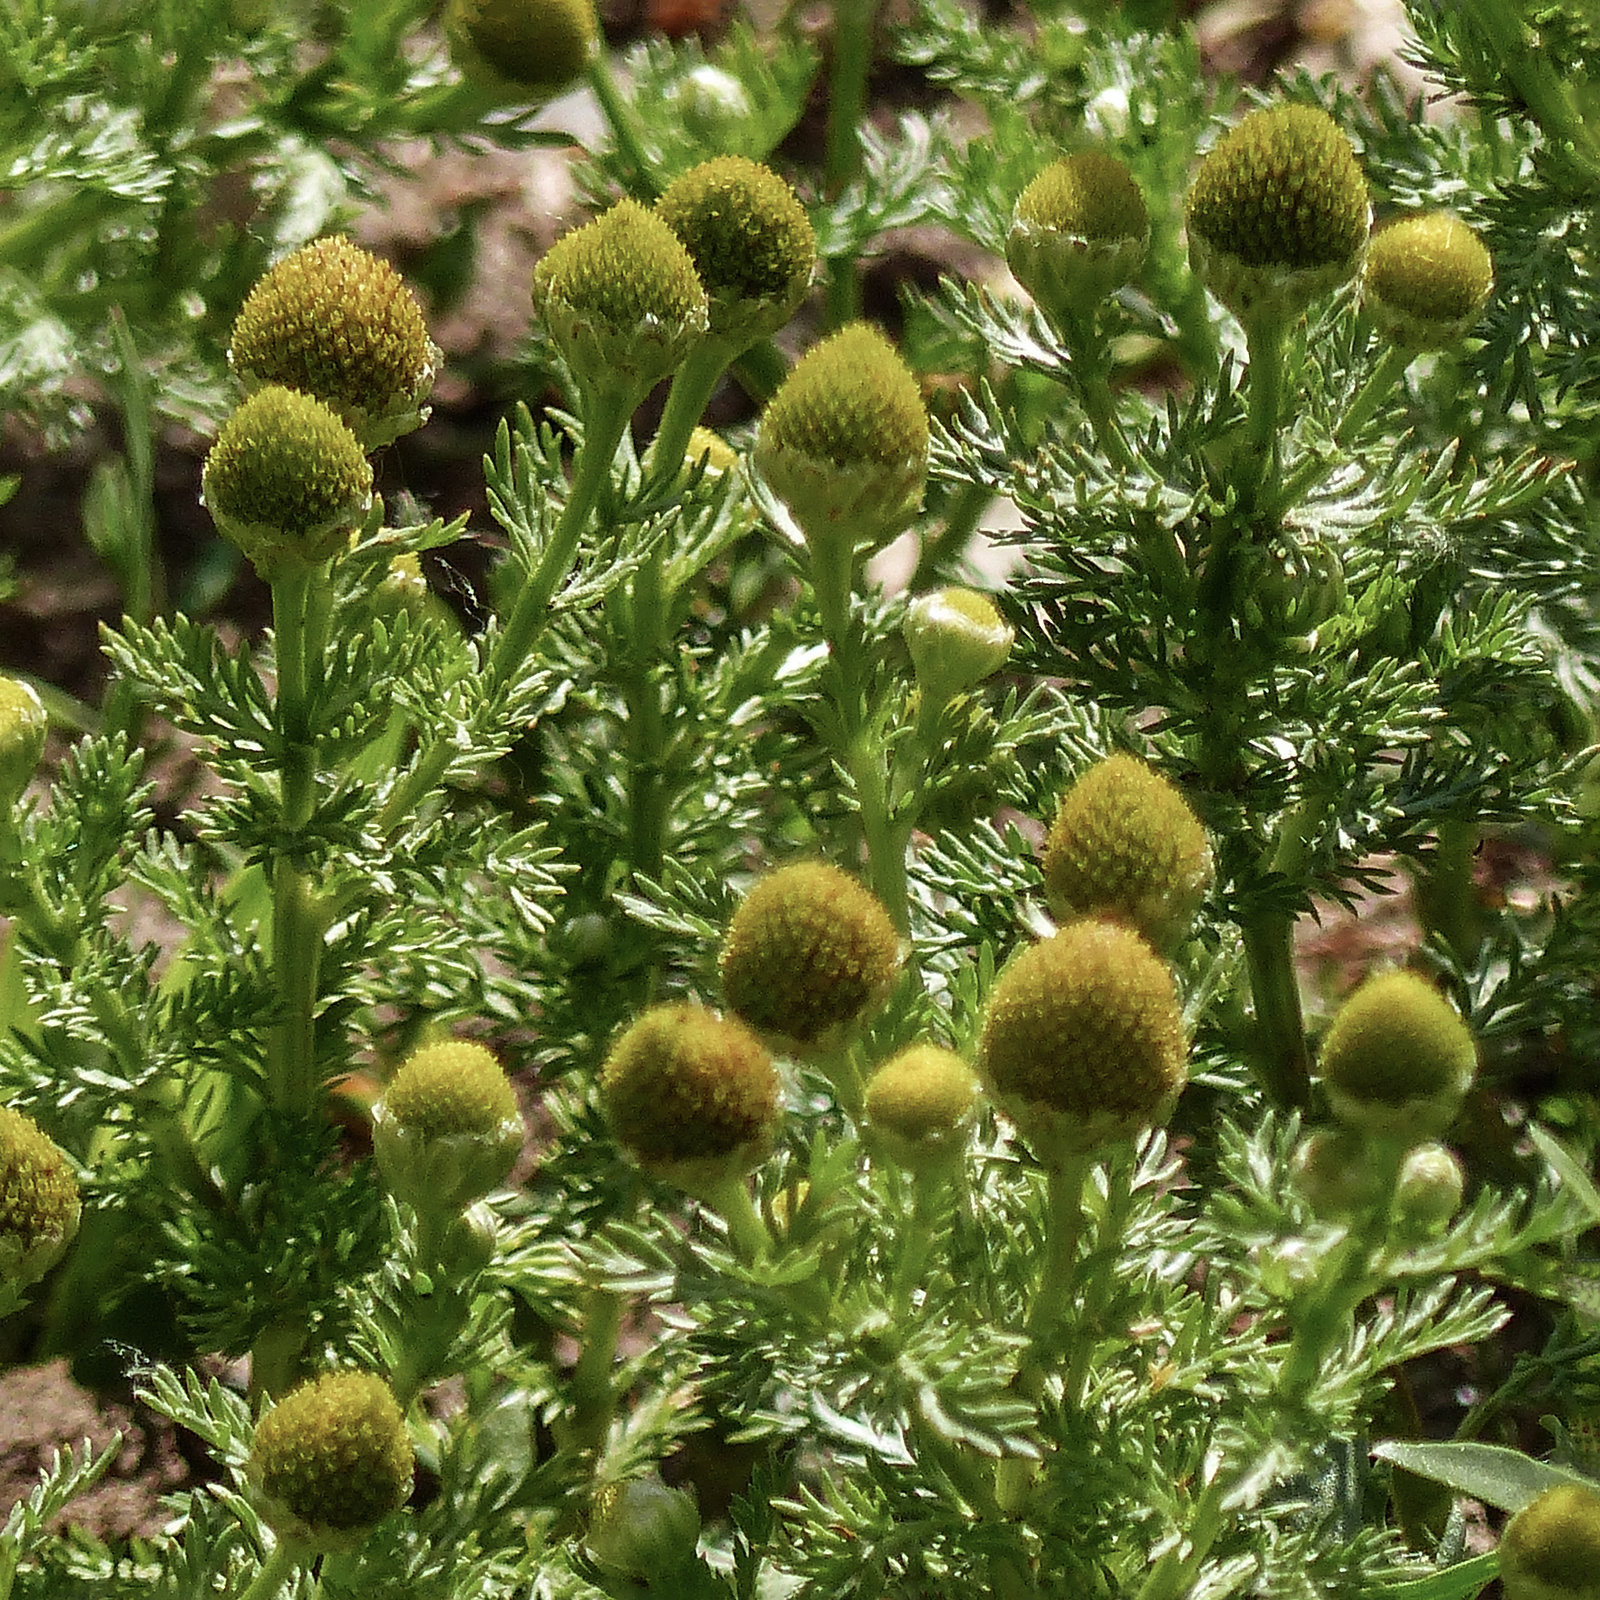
(807, 954)
(1083, 1041)
(1427, 279)
(1550, 1549)
(39, 1204)
(334, 321)
(23, 727)
(331, 1460)
(521, 49)
(920, 1104)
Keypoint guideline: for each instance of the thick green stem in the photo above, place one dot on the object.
(592, 1398)
(276, 1570)
(692, 387)
(1388, 372)
(1280, 1057)
(747, 1233)
(853, 25)
(1446, 894)
(648, 799)
(297, 928)
(1266, 337)
(1063, 1233)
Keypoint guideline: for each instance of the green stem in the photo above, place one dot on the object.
(647, 796)
(1266, 337)
(747, 1233)
(1446, 894)
(1280, 1057)
(692, 387)
(276, 1570)
(297, 929)
(962, 513)
(592, 1398)
(853, 24)
(1175, 1572)
(624, 125)
(916, 1239)
(1063, 1233)
(27, 241)
(1388, 372)
(1096, 1291)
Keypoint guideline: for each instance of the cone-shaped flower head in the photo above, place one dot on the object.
(1080, 232)
(23, 726)
(1398, 1060)
(751, 242)
(643, 1532)
(39, 1205)
(807, 955)
(1126, 845)
(334, 321)
(920, 1105)
(957, 638)
(1426, 280)
(522, 49)
(1279, 214)
(1550, 1549)
(447, 1129)
(691, 1096)
(622, 300)
(286, 480)
(844, 441)
(1083, 1041)
(330, 1461)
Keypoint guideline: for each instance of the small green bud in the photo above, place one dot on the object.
(39, 1205)
(844, 441)
(1080, 233)
(447, 1129)
(1279, 215)
(622, 300)
(920, 1105)
(334, 321)
(522, 50)
(750, 240)
(1083, 1042)
(1289, 586)
(1426, 280)
(23, 726)
(1334, 1170)
(643, 1532)
(1125, 845)
(1398, 1060)
(957, 638)
(1290, 1267)
(286, 480)
(1429, 1192)
(403, 587)
(807, 955)
(691, 1096)
(330, 1461)
(1550, 1549)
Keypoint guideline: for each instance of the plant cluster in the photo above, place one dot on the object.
(942, 1184)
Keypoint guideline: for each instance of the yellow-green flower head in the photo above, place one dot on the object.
(1083, 1042)
(522, 50)
(1398, 1060)
(844, 441)
(1429, 1192)
(1080, 232)
(1279, 213)
(286, 480)
(1550, 1549)
(622, 300)
(1427, 279)
(1125, 845)
(921, 1104)
(957, 638)
(23, 726)
(807, 955)
(447, 1129)
(330, 1461)
(334, 321)
(691, 1096)
(751, 242)
(39, 1204)
(643, 1532)
(708, 445)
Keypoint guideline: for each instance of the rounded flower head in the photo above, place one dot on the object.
(642, 1531)
(1126, 845)
(1550, 1549)
(1426, 279)
(691, 1096)
(844, 441)
(23, 726)
(447, 1129)
(286, 480)
(522, 49)
(331, 1460)
(1083, 1041)
(1080, 232)
(334, 321)
(1398, 1060)
(957, 638)
(1279, 214)
(39, 1204)
(622, 300)
(807, 955)
(920, 1105)
(750, 240)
